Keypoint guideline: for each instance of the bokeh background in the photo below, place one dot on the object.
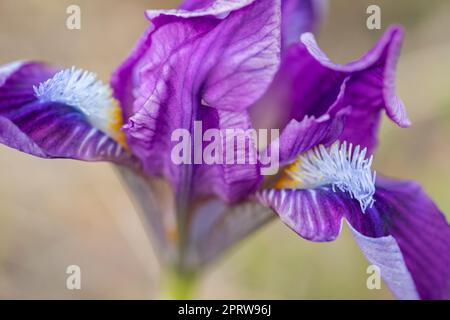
(61, 212)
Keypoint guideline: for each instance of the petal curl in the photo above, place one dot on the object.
(309, 84)
(216, 226)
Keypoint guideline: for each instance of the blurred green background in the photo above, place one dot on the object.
(57, 213)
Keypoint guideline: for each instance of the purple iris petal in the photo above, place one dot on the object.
(309, 84)
(48, 129)
(202, 66)
(404, 233)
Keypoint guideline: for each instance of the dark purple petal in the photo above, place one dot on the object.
(48, 130)
(404, 233)
(309, 84)
(200, 67)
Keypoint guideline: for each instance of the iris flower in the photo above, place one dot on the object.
(241, 64)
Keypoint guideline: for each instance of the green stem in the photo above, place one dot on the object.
(178, 286)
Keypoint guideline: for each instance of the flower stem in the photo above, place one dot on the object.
(179, 285)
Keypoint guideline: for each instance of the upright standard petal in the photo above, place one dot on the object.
(309, 84)
(203, 66)
(41, 115)
(298, 17)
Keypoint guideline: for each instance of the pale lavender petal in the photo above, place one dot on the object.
(191, 239)
(217, 8)
(314, 214)
(229, 181)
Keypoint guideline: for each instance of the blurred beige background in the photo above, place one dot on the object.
(61, 212)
